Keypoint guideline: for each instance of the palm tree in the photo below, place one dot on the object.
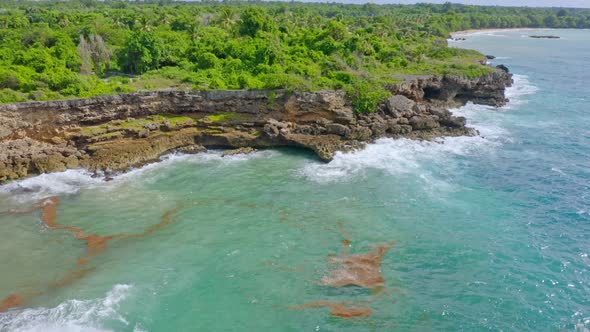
(144, 23)
(227, 17)
(193, 30)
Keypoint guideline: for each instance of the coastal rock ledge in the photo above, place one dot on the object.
(114, 133)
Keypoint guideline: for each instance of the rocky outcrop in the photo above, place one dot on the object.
(122, 131)
(449, 91)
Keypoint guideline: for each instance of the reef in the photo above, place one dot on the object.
(118, 132)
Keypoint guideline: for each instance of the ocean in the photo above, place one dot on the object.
(487, 233)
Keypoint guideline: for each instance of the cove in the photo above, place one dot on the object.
(490, 232)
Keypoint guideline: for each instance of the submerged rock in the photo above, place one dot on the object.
(545, 37)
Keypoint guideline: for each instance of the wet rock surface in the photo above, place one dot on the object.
(545, 37)
(114, 133)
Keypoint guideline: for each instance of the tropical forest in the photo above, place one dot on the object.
(52, 50)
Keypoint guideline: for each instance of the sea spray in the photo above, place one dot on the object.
(71, 315)
(405, 156)
(73, 180)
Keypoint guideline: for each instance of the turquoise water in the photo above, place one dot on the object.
(491, 232)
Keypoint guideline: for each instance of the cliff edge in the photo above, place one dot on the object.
(122, 131)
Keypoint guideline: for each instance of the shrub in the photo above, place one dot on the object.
(366, 95)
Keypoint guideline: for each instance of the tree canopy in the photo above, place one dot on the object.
(80, 48)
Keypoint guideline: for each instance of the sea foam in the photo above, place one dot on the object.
(69, 316)
(73, 180)
(405, 156)
(394, 156)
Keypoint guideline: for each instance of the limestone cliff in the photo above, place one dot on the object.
(122, 131)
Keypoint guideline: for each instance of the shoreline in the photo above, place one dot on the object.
(117, 133)
(477, 31)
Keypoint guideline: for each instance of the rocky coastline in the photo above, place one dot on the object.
(115, 133)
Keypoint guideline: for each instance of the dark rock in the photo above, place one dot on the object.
(360, 133)
(192, 149)
(490, 57)
(245, 150)
(503, 68)
(440, 113)
(400, 105)
(456, 122)
(403, 121)
(379, 129)
(423, 122)
(545, 37)
(337, 129)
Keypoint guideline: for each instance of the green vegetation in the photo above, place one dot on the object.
(136, 125)
(224, 117)
(81, 48)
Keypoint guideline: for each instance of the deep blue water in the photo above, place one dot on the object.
(490, 232)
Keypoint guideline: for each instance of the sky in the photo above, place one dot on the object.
(529, 3)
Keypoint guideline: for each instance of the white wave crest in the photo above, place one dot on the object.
(522, 87)
(69, 316)
(73, 180)
(406, 152)
(404, 156)
(67, 182)
(397, 157)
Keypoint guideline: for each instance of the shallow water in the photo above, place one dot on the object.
(488, 233)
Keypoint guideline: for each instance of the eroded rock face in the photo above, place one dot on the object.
(117, 132)
(457, 91)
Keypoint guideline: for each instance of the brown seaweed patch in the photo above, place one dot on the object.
(94, 244)
(339, 309)
(13, 300)
(48, 208)
(358, 270)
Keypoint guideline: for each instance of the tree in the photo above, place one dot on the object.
(84, 53)
(141, 52)
(562, 12)
(99, 52)
(93, 51)
(227, 17)
(253, 20)
(550, 21)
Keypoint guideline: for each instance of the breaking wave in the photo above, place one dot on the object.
(73, 180)
(70, 316)
(425, 158)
